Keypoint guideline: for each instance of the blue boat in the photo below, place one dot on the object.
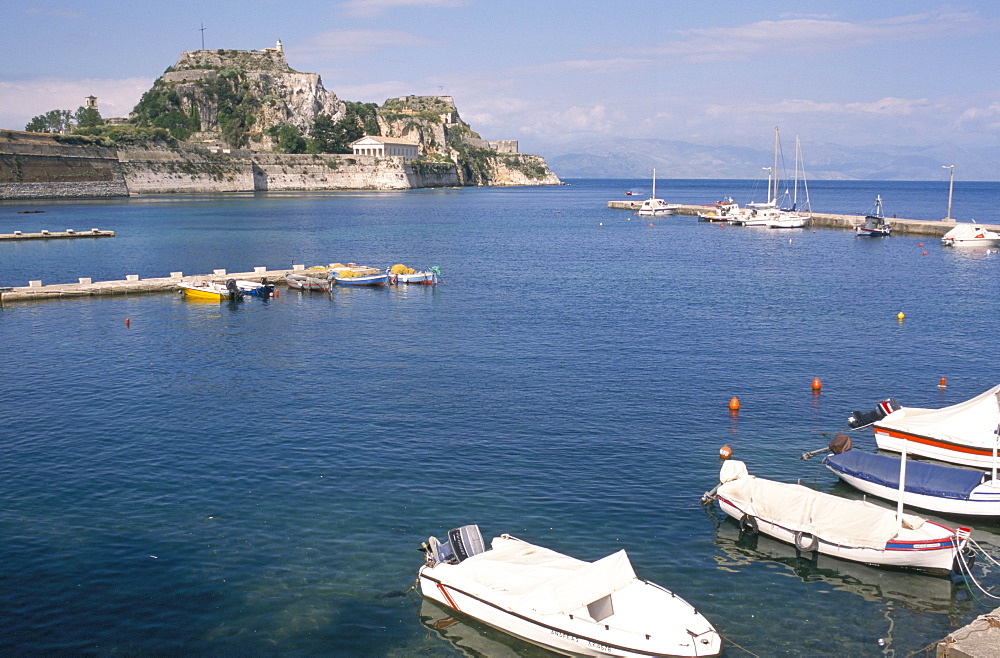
(935, 487)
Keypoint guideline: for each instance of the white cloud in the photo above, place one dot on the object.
(347, 44)
(373, 8)
(22, 100)
(811, 35)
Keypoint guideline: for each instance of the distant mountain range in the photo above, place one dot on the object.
(634, 158)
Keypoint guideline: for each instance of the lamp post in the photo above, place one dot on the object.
(951, 188)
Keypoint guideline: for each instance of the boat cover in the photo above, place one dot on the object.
(921, 477)
(544, 580)
(837, 520)
(973, 422)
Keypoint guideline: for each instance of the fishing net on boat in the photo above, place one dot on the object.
(347, 274)
(399, 268)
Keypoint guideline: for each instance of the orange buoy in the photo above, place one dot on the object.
(817, 384)
(651, 223)
(126, 322)
(734, 404)
(925, 253)
(943, 383)
(725, 452)
(921, 244)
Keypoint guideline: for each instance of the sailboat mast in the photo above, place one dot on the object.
(775, 197)
(654, 182)
(795, 194)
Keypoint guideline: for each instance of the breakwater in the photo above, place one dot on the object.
(935, 228)
(133, 285)
(57, 235)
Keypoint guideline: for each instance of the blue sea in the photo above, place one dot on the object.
(256, 478)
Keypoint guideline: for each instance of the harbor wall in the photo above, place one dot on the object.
(36, 166)
(933, 228)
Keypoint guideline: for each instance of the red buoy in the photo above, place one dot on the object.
(943, 383)
(734, 404)
(725, 452)
(126, 322)
(817, 384)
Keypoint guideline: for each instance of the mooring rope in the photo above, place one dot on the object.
(735, 644)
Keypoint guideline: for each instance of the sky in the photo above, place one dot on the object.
(558, 73)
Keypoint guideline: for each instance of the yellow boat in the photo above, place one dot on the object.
(211, 291)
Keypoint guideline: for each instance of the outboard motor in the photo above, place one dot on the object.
(840, 443)
(883, 409)
(234, 290)
(466, 541)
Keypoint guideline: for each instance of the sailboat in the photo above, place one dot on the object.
(653, 207)
(759, 214)
(792, 218)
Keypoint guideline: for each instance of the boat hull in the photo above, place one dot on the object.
(935, 554)
(369, 280)
(420, 278)
(301, 282)
(919, 445)
(562, 633)
(984, 500)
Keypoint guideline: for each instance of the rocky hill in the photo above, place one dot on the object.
(241, 99)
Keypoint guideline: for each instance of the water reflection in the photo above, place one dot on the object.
(472, 638)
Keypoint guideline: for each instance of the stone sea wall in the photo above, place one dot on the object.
(42, 166)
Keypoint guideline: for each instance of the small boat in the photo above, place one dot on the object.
(254, 289)
(559, 602)
(875, 225)
(963, 433)
(725, 210)
(817, 522)
(970, 235)
(211, 291)
(402, 274)
(304, 282)
(787, 220)
(361, 280)
(933, 487)
(653, 207)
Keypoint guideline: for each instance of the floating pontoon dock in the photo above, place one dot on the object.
(51, 235)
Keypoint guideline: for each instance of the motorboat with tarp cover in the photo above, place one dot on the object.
(817, 522)
(970, 235)
(935, 487)
(559, 602)
(964, 433)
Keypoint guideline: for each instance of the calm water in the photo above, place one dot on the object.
(256, 478)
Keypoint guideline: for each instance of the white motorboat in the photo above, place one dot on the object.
(788, 220)
(653, 207)
(970, 235)
(817, 522)
(724, 210)
(561, 603)
(963, 433)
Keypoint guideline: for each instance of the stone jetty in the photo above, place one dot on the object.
(51, 235)
(979, 639)
(133, 285)
(899, 226)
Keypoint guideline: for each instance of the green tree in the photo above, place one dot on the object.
(324, 134)
(53, 121)
(289, 139)
(88, 117)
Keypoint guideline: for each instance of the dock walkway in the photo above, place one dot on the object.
(51, 235)
(935, 228)
(133, 285)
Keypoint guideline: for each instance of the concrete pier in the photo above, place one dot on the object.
(50, 235)
(980, 639)
(132, 285)
(825, 220)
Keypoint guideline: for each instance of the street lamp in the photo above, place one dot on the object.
(951, 188)
(768, 170)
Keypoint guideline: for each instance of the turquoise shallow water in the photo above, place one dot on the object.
(256, 478)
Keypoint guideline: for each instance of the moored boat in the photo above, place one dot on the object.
(963, 433)
(653, 207)
(357, 275)
(559, 602)
(211, 291)
(934, 487)
(255, 289)
(875, 225)
(817, 522)
(970, 235)
(305, 282)
(401, 274)
(724, 210)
